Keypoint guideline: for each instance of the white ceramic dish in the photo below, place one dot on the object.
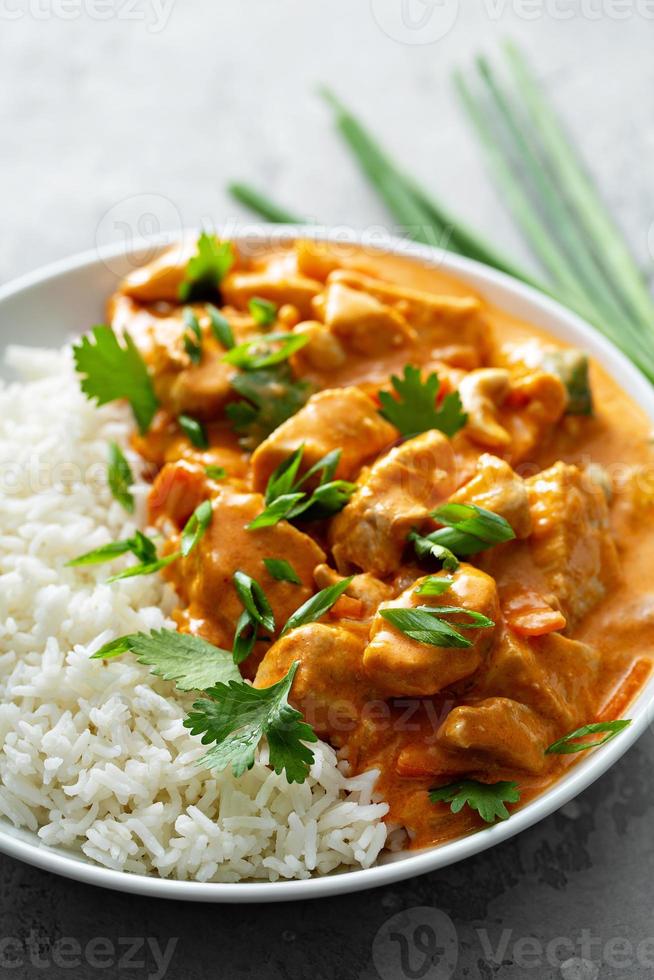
(49, 306)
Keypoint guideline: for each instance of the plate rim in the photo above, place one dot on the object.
(78, 867)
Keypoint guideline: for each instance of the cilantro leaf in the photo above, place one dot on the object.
(196, 525)
(569, 743)
(220, 327)
(120, 478)
(207, 268)
(193, 663)
(271, 395)
(194, 431)
(111, 371)
(282, 570)
(415, 411)
(237, 718)
(316, 607)
(487, 799)
(262, 311)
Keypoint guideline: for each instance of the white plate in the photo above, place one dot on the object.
(55, 303)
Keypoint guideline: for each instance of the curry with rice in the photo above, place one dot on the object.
(433, 521)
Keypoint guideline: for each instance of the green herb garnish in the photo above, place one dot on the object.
(316, 607)
(215, 472)
(434, 585)
(257, 612)
(469, 529)
(188, 660)
(572, 368)
(488, 799)
(220, 327)
(238, 716)
(261, 352)
(120, 478)
(206, 269)
(285, 500)
(282, 570)
(145, 568)
(111, 371)
(192, 336)
(414, 410)
(270, 396)
(234, 715)
(196, 526)
(194, 430)
(427, 625)
(425, 547)
(569, 743)
(254, 600)
(262, 311)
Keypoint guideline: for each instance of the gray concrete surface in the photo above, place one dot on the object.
(124, 117)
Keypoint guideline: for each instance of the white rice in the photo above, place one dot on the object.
(94, 757)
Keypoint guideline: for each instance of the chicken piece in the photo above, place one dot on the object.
(160, 279)
(571, 543)
(511, 414)
(278, 280)
(370, 591)
(397, 664)
(338, 418)
(361, 322)
(453, 329)
(397, 493)
(204, 579)
(330, 687)
(315, 259)
(553, 675)
(500, 731)
(496, 487)
(322, 352)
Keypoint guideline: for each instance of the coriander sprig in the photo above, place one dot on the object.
(413, 409)
(487, 799)
(236, 717)
(207, 268)
(233, 717)
(112, 371)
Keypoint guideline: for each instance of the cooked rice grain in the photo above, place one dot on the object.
(95, 756)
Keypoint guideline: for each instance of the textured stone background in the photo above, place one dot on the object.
(117, 126)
